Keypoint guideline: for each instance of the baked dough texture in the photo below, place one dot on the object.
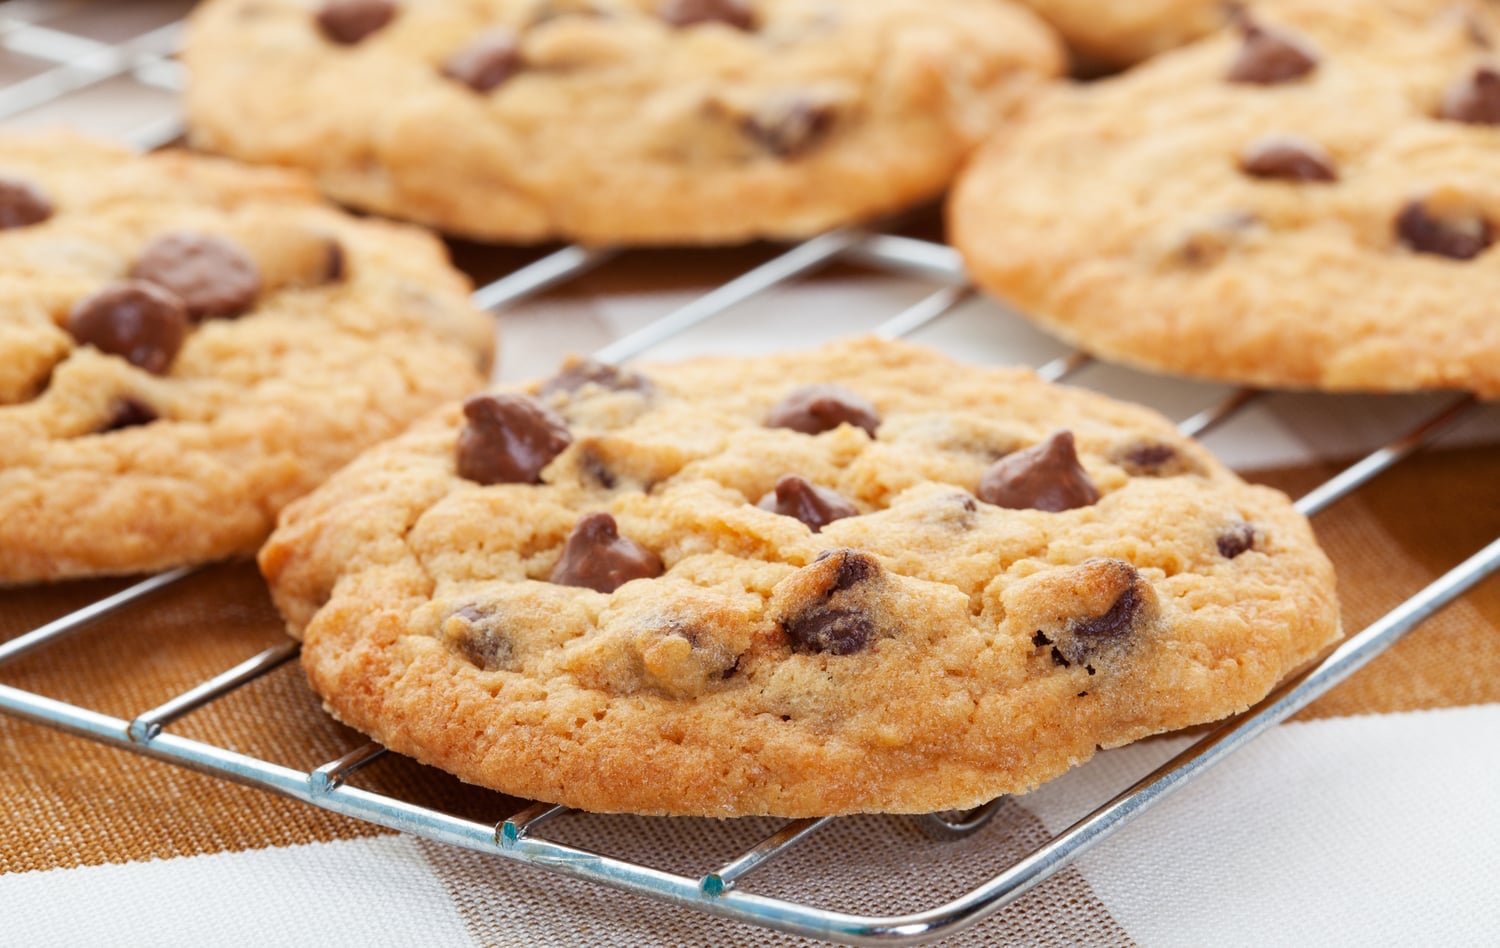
(663, 621)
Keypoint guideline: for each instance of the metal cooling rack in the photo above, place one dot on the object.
(78, 63)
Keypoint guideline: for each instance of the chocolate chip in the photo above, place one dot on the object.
(813, 409)
(790, 128)
(1114, 623)
(211, 275)
(21, 204)
(1288, 158)
(1270, 57)
(335, 263)
(140, 322)
(1058, 659)
(1040, 639)
(582, 372)
(1208, 239)
(508, 439)
(487, 62)
(736, 13)
(597, 557)
(349, 21)
(1046, 477)
(832, 631)
(815, 506)
(1476, 99)
(1148, 458)
(1235, 540)
(596, 470)
(480, 640)
(1460, 238)
(853, 568)
(129, 413)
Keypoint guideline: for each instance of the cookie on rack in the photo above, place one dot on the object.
(1307, 201)
(604, 121)
(186, 345)
(1113, 35)
(860, 578)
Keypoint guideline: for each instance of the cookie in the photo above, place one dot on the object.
(641, 121)
(186, 345)
(1307, 201)
(1114, 35)
(861, 578)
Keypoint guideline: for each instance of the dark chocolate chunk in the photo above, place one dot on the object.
(1235, 540)
(791, 128)
(813, 409)
(1287, 158)
(581, 372)
(509, 439)
(597, 557)
(1459, 238)
(486, 62)
(211, 275)
(1046, 477)
(815, 506)
(349, 21)
(832, 631)
(1270, 57)
(129, 413)
(140, 322)
(736, 13)
(21, 204)
(1476, 99)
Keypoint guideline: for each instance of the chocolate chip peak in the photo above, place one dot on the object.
(509, 439)
(814, 409)
(1456, 236)
(212, 276)
(578, 373)
(1046, 477)
(347, 22)
(1475, 99)
(140, 322)
(1270, 57)
(21, 204)
(815, 506)
(486, 62)
(1288, 158)
(736, 13)
(597, 557)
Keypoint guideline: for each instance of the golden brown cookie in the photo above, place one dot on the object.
(1125, 32)
(861, 578)
(1307, 201)
(647, 121)
(186, 345)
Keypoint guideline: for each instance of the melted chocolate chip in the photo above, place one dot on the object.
(140, 322)
(814, 409)
(1270, 57)
(1149, 458)
(1235, 540)
(21, 204)
(831, 631)
(211, 275)
(1459, 238)
(854, 568)
(597, 557)
(791, 128)
(736, 13)
(1112, 624)
(1476, 99)
(348, 22)
(482, 643)
(1287, 158)
(487, 62)
(815, 506)
(581, 372)
(129, 413)
(1046, 477)
(335, 263)
(509, 439)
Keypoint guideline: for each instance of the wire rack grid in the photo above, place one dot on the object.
(77, 63)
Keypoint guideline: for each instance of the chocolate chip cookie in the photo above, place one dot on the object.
(647, 121)
(1307, 200)
(861, 578)
(186, 345)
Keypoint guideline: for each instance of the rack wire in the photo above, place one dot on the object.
(78, 63)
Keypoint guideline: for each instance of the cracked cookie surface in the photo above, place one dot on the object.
(654, 121)
(767, 585)
(186, 345)
(1309, 201)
